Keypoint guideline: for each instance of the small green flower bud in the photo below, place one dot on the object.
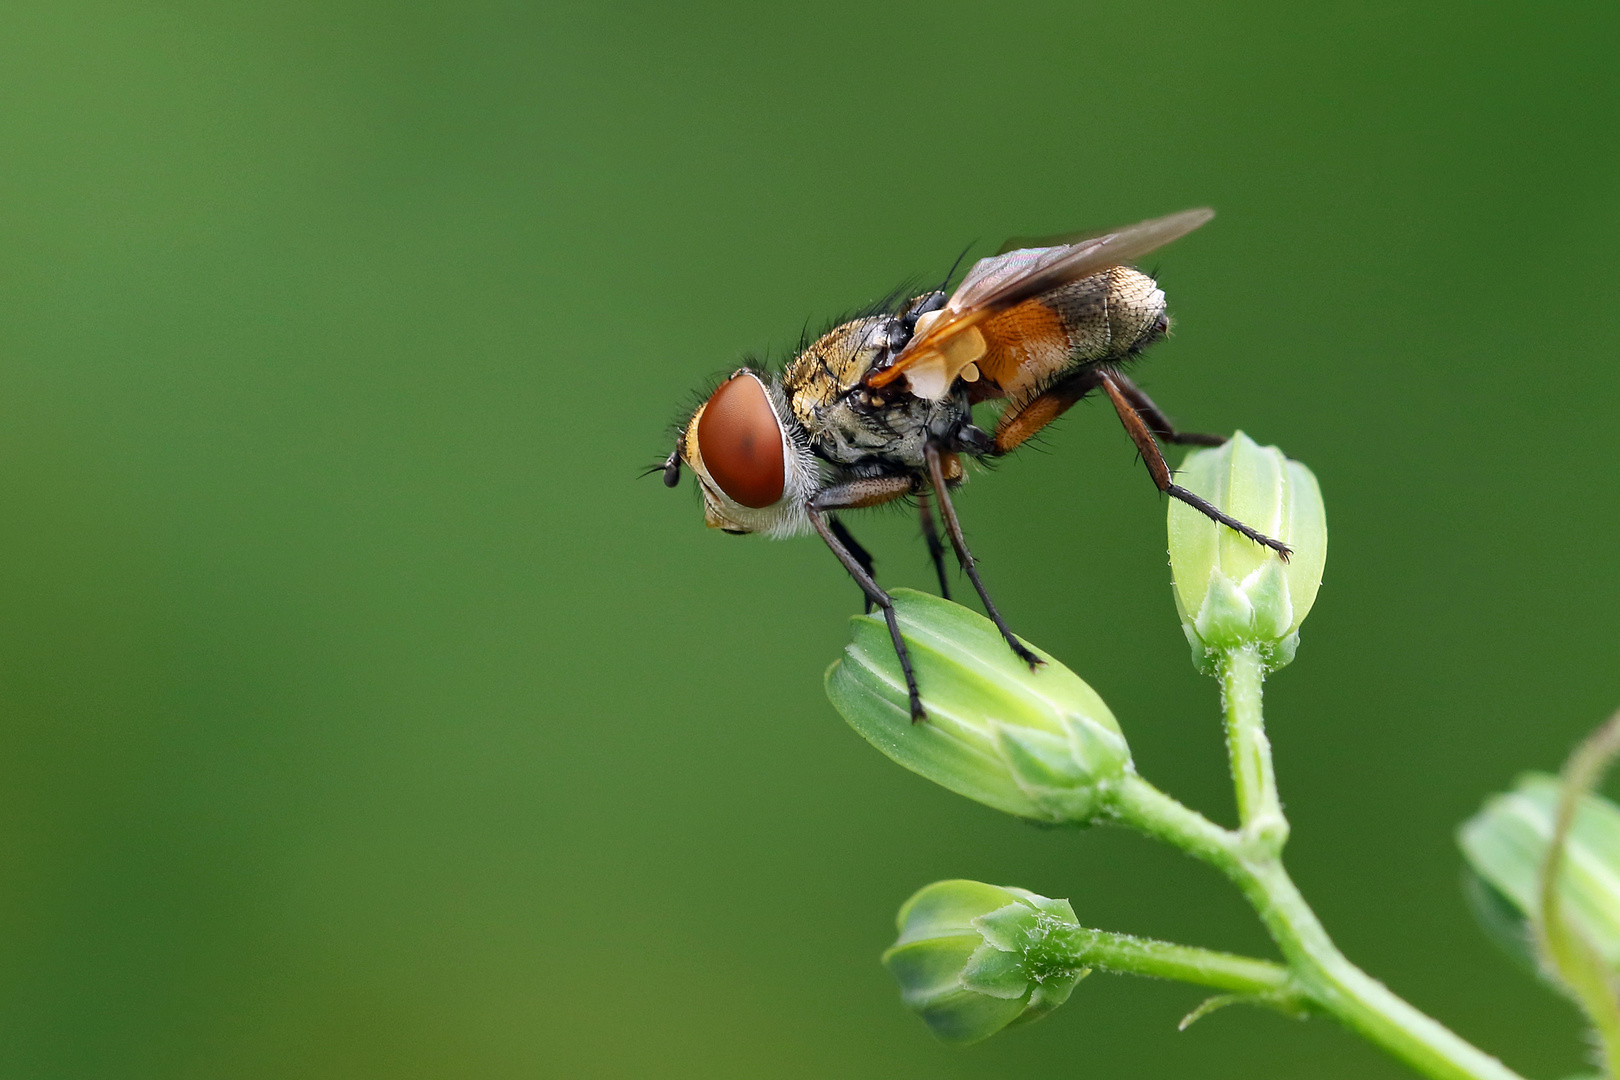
(1231, 592)
(1506, 845)
(1039, 744)
(973, 958)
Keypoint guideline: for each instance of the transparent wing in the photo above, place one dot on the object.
(999, 282)
(1004, 280)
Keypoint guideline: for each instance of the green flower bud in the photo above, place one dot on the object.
(1039, 744)
(1506, 845)
(1504, 924)
(1231, 592)
(972, 958)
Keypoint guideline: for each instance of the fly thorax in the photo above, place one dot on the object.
(835, 363)
(823, 383)
(849, 422)
(864, 426)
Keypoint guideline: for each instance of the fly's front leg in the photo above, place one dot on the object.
(1155, 419)
(953, 529)
(868, 492)
(1137, 428)
(936, 549)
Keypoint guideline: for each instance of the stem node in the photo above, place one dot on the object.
(1264, 835)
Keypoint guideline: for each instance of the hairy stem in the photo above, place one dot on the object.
(1127, 955)
(1259, 810)
(1328, 981)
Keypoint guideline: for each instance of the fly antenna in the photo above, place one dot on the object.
(670, 467)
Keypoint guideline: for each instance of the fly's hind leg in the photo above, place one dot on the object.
(1021, 422)
(856, 493)
(1142, 419)
(1137, 428)
(1154, 417)
(953, 529)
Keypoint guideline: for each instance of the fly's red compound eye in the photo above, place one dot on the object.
(740, 442)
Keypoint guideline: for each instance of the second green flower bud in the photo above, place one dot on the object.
(1039, 744)
(1230, 591)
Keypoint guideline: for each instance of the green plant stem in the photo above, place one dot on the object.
(1128, 955)
(1577, 963)
(1327, 980)
(1241, 674)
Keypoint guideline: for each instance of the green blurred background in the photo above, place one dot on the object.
(363, 715)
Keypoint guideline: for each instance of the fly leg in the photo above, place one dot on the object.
(1142, 420)
(868, 492)
(953, 529)
(936, 549)
(1020, 422)
(862, 556)
(1157, 422)
(1137, 428)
